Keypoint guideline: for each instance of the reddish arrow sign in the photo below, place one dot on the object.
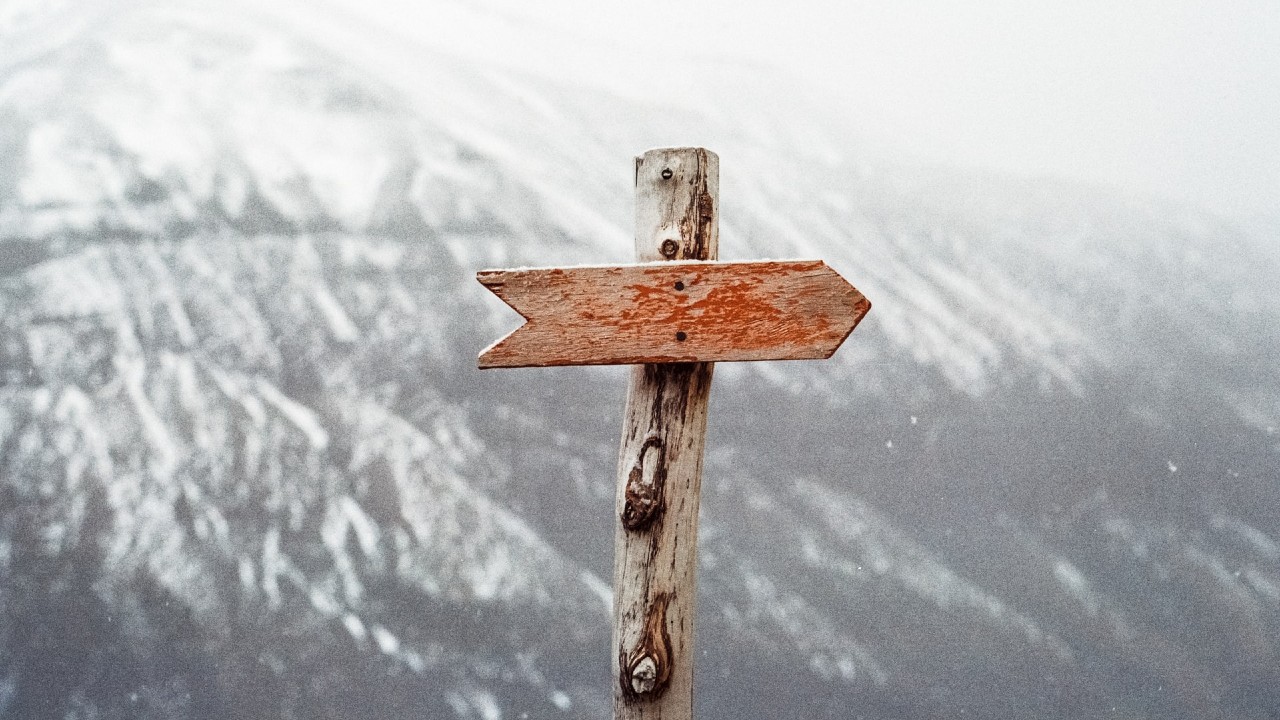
(673, 312)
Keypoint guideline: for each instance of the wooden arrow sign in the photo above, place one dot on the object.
(673, 312)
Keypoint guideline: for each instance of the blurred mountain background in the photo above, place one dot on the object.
(248, 468)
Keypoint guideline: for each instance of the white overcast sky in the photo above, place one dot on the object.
(1179, 98)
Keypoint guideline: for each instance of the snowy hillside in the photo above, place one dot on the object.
(248, 468)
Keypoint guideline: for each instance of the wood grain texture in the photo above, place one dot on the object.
(674, 312)
(660, 461)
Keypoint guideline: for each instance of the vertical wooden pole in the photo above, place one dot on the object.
(660, 461)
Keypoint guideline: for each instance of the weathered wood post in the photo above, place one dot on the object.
(660, 462)
(670, 316)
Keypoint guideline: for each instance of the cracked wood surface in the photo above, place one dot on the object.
(660, 461)
(674, 312)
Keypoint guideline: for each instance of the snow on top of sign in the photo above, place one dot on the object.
(649, 263)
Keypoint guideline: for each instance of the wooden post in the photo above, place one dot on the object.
(660, 461)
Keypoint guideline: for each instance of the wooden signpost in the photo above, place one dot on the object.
(673, 312)
(671, 316)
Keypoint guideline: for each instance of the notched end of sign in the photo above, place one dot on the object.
(495, 282)
(490, 357)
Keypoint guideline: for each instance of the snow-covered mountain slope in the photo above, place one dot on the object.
(165, 120)
(247, 467)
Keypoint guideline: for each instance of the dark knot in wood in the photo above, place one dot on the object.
(706, 205)
(646, 672)
(645, 486)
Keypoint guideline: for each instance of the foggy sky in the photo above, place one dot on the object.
(1178, 98)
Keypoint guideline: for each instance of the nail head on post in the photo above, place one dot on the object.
(666, 173)
(669, 248)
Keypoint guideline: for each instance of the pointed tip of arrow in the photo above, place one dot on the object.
(860, 307)
(857, 304)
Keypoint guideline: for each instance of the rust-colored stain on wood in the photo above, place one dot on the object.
(674, 312)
